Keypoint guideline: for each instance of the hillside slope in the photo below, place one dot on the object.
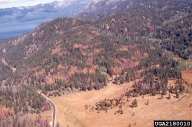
(135, 44)
(67, 54)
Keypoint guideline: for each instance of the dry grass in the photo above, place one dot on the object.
(44, 116)
(71, 109)
(187, 76)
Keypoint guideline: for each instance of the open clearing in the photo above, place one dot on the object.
(47, 115)
(187, 76)
(71, 109)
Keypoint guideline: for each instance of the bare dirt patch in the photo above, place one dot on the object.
(176, 58)
(124, 48)
(71, 109)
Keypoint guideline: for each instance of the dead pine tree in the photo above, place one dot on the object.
(133, 114)
(190, 105)
(147, 103)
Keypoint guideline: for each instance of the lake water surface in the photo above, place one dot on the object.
(8, 30)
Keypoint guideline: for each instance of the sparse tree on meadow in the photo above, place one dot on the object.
(147, 102)
(57, 124)
(134, 103)
(169, 97)
(177, 95)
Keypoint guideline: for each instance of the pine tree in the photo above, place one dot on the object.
(15, 109)
(161, 95)
(134, 103)
(24, 122)
(154, 92)
(19, 124)
(116, 80)
(147, 102)
(169, 97)
(121, 79)
(127, 78)
(177, 95)
(187, 90)
(57, 124)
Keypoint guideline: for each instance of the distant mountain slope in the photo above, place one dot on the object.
(12, 20)
(102, 8)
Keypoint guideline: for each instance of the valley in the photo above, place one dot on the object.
(72, 112)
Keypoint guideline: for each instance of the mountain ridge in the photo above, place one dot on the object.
(99, 9)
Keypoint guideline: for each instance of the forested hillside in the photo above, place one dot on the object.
(168, 21)
(78, 53)
(69, 54)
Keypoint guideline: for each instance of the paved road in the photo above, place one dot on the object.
(54, 110)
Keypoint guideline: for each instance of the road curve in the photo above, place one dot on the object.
(54, 109)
